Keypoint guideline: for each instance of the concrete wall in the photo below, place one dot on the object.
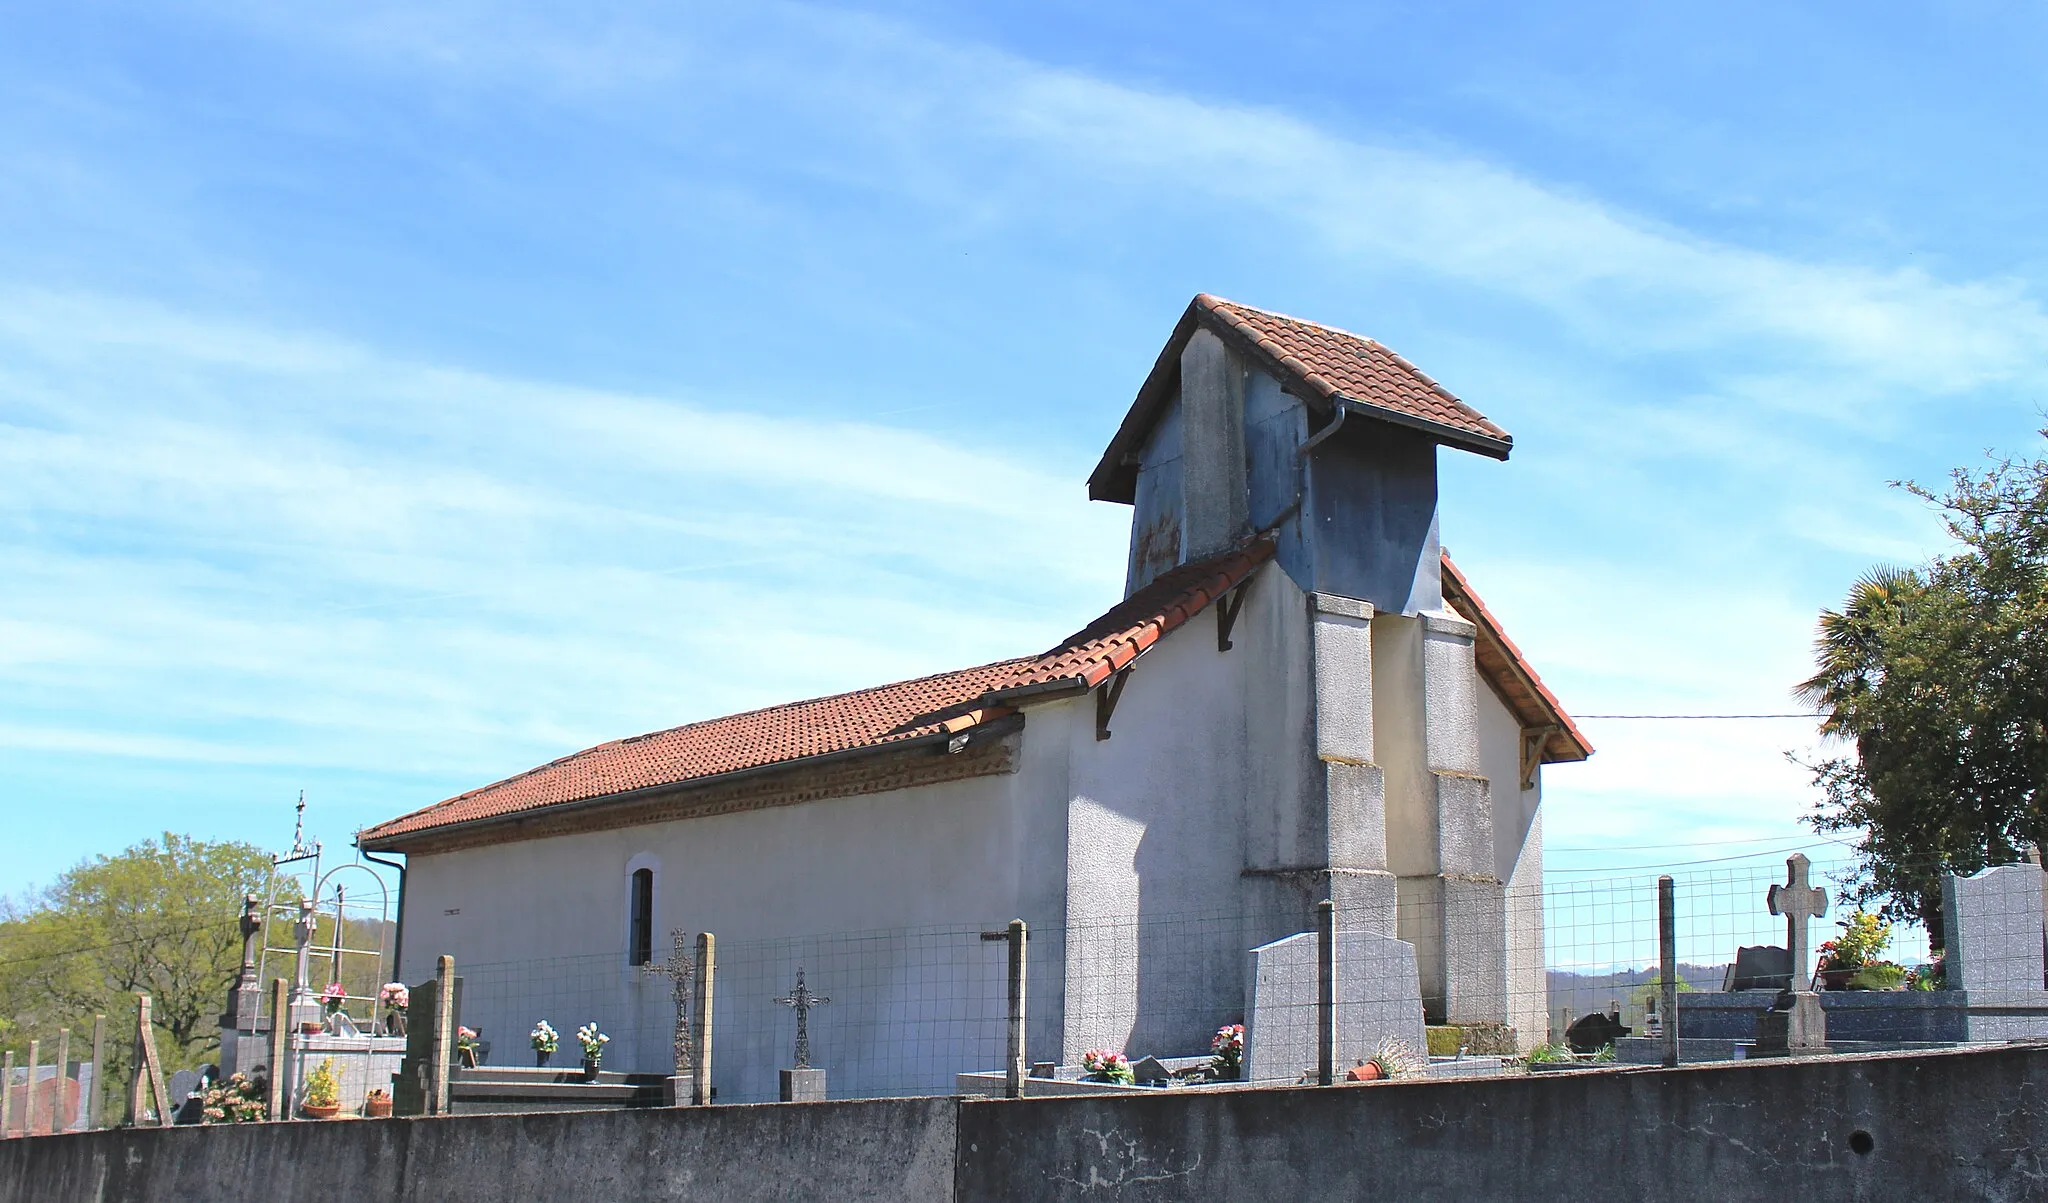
(1961, 1125)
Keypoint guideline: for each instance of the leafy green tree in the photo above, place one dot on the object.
(1939, 679)
(159, 918)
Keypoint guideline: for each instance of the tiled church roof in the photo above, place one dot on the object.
(1513, 677)
(1322, 363)
(887, 715)
(942, 705)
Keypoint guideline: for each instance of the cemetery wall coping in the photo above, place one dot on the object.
(1962, 1124)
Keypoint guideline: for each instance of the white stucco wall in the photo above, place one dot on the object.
(1159, 821)
(538, 928)
(1518, 853)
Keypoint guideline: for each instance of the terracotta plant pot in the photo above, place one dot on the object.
(377, 1108)
(317, 1111)
(311, 1028)
(1368, 1072)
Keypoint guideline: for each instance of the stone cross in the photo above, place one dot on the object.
(801, 1000)
(1798, 902)
(252, 926)
(680, 970)
(302, 934)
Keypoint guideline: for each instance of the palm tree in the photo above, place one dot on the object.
(1849, 647)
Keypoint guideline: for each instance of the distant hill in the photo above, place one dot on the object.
(1585, 993)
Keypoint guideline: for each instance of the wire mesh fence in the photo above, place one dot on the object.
(907, 1011)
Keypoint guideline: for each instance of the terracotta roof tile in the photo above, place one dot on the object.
(1322, 363)
(945, 704)
(1502, 663)
(875, 718)
(1341, 364)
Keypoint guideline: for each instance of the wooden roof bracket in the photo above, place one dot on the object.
(1226, 611)
(1106, 696)
(1533, 741)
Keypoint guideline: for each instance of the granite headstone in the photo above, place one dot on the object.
(1993, 927)
(1379, 995)
(1760, 967)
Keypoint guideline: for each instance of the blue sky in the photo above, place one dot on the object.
(391, 400)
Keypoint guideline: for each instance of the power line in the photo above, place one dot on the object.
(1761, 839)
(1697, 717)
(1712, 860)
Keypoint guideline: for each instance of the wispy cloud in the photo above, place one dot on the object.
(261, 539)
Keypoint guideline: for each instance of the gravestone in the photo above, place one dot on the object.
(1760, 967)
(187, 1090)
(1147, 1071)
(1379, 995)
(1993, 925)
(1795, 1024)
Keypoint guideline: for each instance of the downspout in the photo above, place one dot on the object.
(398, 940)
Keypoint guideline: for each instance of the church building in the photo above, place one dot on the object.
(1300, 697)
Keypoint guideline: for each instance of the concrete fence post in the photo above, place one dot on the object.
(28, 1110)
(57, 1121)
(280, 1048)
(1667, 964)
(96, 1109)
(7, 1096)
(148, 1085)
(1326, 992)
(707, 975)
(1013, 1065)
(438, 1068)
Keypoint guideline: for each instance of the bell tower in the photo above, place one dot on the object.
(1253, 423)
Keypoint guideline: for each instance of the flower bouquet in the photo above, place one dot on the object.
(593, 1042)
(1106, 1066)
(545, 1041)
(1226, 1051)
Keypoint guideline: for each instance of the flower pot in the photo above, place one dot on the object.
(377, 1108)
(590, 1068)
(311, 1027)
(1368, 1072)
(319, 1110)
(541, 1058)
(1837, 979)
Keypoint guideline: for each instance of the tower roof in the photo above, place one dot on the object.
(1321, 364)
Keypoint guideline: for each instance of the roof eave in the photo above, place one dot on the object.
(1001, 724)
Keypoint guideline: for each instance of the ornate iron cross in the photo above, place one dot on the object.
(1798, 902)
(681, 971)
(801, 1000)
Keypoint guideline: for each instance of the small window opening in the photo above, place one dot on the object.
(640, 950)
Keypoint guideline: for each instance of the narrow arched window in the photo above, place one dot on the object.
(640, 945)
